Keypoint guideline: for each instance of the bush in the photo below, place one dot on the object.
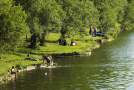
(113, 34)
(19, 65)
(108, 37)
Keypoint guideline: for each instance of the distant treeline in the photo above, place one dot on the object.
(21, 17)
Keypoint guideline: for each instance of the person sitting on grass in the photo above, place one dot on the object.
(33, 59)
(48, 59)
(73, 42)
(13, 72)
(65, 43)
(60, 42)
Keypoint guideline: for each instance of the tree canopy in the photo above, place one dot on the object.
(12, 25)
(67, 16)
(42, 16)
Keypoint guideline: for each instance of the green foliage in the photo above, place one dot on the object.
(108, 37)
(12, 25)
(113, 34)
(43, 16)
(79, 15)
(19, 65)
(70, 17)
(128, 20)
(111, 11)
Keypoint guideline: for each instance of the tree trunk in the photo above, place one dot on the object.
(63, 35)
(26, 36)
(33, 41)
(42, 40)
(63, 32)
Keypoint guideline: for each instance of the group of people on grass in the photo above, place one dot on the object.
(73, 43)
(64, 42)
(95, 31)
(45, 57)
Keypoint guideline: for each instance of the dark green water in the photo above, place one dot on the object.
(111, 67)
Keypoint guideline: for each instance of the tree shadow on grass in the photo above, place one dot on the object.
(51, 41)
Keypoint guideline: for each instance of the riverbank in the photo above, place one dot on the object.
(7, 76)
(86, 45)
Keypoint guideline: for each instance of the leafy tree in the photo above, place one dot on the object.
(128, 20)
(12, 25)
(79, 14)
(43, 15)
(111, 12)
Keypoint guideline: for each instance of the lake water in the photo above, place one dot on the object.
(110, 67)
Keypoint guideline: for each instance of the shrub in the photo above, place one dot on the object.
(19, 65)
(108, 37)
(113, 34)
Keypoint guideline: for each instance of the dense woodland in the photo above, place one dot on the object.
(36, 17)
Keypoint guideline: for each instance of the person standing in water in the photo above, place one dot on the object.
(48, 59)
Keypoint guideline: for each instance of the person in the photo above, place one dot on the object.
(101, 31)
(90, 32)
(29, 58)
(33, 59)
(65, 42)
(95, 31)
(73, 42)
(47, 33)
(48, 59)
(13, 72)
(60, 41)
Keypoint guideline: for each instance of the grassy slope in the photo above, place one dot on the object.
(17, 58)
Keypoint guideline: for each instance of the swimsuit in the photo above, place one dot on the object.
(48, 61)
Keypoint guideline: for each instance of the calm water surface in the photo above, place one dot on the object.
(111, 67)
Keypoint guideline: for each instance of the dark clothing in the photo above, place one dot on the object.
(48, 61)
(95, 32)
(90, 31)
(65, 43)
(60, 41)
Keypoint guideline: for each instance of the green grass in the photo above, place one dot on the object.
(51, 47)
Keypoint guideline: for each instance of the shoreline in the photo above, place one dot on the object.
(9, 76)
(78, 54)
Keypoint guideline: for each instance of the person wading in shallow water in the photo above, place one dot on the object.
(48, 59)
